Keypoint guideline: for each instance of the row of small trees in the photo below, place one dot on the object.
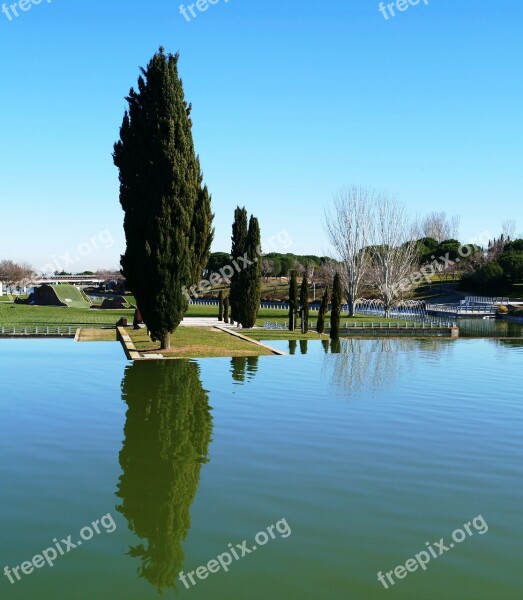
(300, 306)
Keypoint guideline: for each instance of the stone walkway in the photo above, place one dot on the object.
(206, 322)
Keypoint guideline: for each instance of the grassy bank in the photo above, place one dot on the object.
(14, 314)
(197, 342)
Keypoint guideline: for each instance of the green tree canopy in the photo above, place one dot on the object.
(168, 218)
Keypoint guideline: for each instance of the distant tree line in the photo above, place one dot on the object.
(274, 264)
(500, 267)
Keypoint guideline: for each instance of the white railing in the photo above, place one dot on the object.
(37, 330)
(372, 325)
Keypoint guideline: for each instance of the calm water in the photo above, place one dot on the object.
(358, 453)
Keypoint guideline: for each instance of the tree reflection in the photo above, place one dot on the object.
(167, 434)
(244, 367)
(366, 364)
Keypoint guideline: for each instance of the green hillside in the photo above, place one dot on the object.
(71, 296)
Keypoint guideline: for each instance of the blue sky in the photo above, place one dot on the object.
(291, 100)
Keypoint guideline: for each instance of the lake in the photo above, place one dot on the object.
(338, 462)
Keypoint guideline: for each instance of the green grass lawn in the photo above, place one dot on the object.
(20, 314)
(197, 342)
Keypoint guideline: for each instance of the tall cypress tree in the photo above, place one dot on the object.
(239, 247)
(304, 304)
(226, 310)
(293, 301)
(250, 277)
(168, 217)
(320, 325)
(220, 306)
(336, 308)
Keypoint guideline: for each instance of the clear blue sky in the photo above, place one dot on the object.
(291, 100)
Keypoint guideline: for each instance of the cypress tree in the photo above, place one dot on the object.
(239, 247)
(168, 218)
(250, 277)
(304, 304)
(320, 325)
(220, 306)
(336, 308)
(293, 301)
(226, 310)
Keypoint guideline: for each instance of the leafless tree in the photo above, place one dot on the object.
(15, 275)
(325, 273)
(109, 274)
(267, 267)
(393, 250)
(509, 229)
(348, 226)
(298, 267)
(436, 225)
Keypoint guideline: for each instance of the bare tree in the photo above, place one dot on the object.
(393, 251)
(298, 267)
(15, 275)
(109, 274)
(267, 267)
(325, 273)
(348, 226)
(436, 225)
(509, 229)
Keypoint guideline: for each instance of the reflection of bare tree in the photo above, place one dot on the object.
(167, 434)
(367, 364)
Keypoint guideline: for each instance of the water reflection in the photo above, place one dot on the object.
(167, 434)
(511, 343)
(489, 328)
(370, 364)
(244, 368)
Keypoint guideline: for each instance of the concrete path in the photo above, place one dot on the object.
(206, 322)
